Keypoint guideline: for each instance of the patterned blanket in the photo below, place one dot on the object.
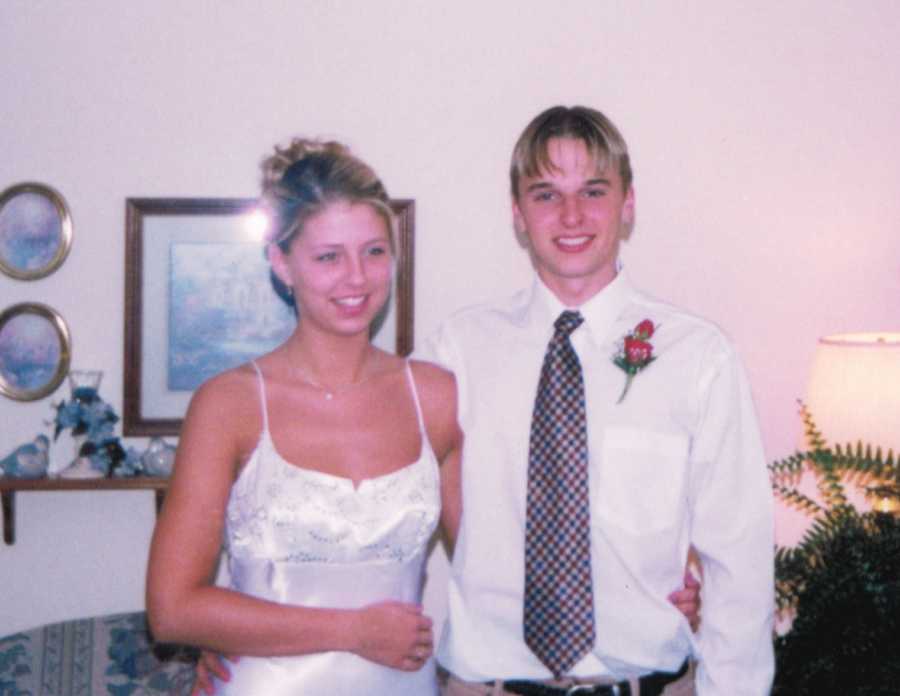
(107, 655)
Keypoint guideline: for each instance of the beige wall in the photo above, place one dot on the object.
(764, 137)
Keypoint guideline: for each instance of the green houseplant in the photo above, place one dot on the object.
(841, 583)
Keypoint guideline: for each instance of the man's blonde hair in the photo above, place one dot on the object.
(600, 136)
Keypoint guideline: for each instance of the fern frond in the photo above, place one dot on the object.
(794, 498)
(814, 438)
(789, 468)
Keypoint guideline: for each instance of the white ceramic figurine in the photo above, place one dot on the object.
(28, 461)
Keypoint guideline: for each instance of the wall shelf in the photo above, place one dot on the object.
(8, 488)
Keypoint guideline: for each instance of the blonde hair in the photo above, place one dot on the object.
(302, 179)
(600, 136)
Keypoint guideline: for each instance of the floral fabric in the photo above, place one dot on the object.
(110, 655)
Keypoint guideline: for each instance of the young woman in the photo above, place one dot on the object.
(318, 463)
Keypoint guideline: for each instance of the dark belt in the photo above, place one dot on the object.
(650, 685)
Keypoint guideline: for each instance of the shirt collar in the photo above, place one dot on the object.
(600, 312)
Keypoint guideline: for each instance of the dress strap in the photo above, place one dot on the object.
(262, 395)
(415, 396)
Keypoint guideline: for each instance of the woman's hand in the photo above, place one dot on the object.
(394, 634)
(687, 600)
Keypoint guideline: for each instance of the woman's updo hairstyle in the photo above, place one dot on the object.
(302, 179)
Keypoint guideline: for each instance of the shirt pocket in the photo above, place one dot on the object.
(642, 479)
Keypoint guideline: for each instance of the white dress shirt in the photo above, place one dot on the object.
(678, 463)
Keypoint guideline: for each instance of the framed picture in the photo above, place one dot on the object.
(35, 231)
(199, 300)
(35, 350)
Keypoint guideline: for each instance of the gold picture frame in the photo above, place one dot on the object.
(35, 351)
(35, 231)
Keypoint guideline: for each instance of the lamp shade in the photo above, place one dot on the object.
(854, 389)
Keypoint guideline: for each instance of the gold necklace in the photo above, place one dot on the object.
(331, 392)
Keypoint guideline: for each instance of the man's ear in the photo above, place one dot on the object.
(519, 224)
(628, 207)
(628, 213)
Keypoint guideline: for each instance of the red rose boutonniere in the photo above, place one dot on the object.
(635, 353)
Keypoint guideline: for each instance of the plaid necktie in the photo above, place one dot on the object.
(559, 611)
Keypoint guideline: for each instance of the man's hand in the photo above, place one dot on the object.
(687, 600)
(210, 665)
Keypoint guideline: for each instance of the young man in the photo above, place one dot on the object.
(581, 503)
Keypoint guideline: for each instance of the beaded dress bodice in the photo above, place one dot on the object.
(301, 536)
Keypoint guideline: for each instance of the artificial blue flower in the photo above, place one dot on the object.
(68, 415)
(96, 419)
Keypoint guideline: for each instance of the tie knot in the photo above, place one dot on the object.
(567, 322)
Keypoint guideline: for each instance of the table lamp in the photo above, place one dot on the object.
(854, 396)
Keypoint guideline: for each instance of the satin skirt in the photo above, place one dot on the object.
(327, 585)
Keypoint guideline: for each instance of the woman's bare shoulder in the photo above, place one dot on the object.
(232, 395)
(437, 394)
(432, 379)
